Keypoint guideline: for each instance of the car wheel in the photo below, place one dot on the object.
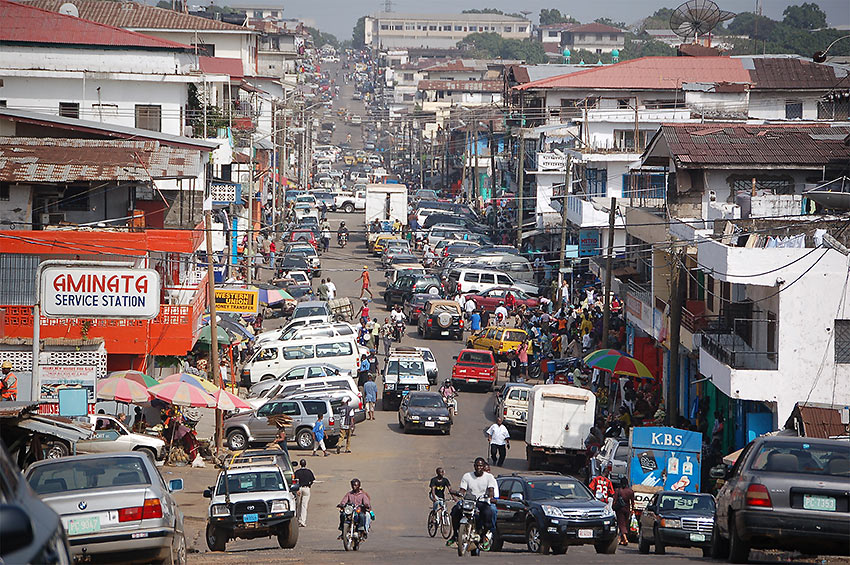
(448, 431)
(609, 548)
(739, 550)
(56, 449)
(287, 535)
(656, 539)
(178, 549)
(348, 207)
(643, 543)
(559, 549)
(719, 545)
(534, 540)
(405, 428)
(216, 538)
(147, 451)
(237, 440)
(304, 439)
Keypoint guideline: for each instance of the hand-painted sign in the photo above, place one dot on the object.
(667, 458)
(589, 243)
(99, 292)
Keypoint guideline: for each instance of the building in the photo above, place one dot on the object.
(432, 93)
(594, 37)
(392, 30)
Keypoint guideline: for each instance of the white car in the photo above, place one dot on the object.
(110, 435)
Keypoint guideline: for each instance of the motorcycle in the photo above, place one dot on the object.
(398, 330)
(451, 402)
(469, 538)
(342, 239)
(352, 536)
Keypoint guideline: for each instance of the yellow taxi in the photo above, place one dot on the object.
(381, 242)
(349, 159)
(499, 340)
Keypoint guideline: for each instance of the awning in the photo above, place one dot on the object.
(53, 427)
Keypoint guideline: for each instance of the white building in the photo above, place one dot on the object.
(397, 30)
(594, 37)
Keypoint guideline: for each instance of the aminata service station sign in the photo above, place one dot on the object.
(99, 292)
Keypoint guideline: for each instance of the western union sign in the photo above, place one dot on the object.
(238, 301)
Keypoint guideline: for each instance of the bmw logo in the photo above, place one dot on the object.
(82, 505)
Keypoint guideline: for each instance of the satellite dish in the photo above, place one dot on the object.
(697, 17)
(69, 9)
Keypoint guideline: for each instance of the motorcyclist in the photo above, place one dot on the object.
(483, 486)
(448, 391)
(398, 319)
(342, 231)
(358, 497)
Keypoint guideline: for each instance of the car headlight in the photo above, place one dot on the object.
(219, 510)
(671, 523)
(444, 418)
(389, 386)
(414, 418)
(279, 506)
(552, 511)
(607, 512)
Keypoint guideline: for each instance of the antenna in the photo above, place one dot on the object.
(69, 9)
(388, 5)
(697, 17)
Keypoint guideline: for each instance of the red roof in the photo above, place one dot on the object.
(25, 24)
(650, 73)
(221, 66)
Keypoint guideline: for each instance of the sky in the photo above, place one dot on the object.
(338, 16)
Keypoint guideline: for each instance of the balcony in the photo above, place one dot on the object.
(583, 213)
(728, 345)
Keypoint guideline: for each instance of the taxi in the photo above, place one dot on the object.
(499, 340)
(380, 243)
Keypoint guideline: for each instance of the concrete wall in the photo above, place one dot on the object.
(227, 45)
(770, 105)
(94, 60)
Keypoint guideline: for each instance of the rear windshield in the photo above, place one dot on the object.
(400, 367)
(63, 476)
(476, 357)
(337, 349)
(804, 458)
(310, 311)
(686, 502)
(261, 481)
(450, 308)
(514, 336)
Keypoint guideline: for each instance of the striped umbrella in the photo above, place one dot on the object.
(137, 376)
(122, 390)
(620, 365)
(194, 380)
(229, 402)
(183, 394)
(602, 353)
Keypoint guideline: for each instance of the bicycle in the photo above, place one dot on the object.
(439, 519)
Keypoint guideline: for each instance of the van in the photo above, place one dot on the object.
(302, 386)
(301, 331)
(466, 280)
(517, 267)
(273, 358)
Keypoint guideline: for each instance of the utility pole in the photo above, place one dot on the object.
(606, 312)
(475, 178)
(492, 162)
(214, 367)
(465, 162)
(677, 295)
(250, 249)
(520, 182)
(568, 183)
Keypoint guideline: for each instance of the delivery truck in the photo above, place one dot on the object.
(559, 420)
(386, 202)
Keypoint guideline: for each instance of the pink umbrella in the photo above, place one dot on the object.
(122, 390)
(229, 402)
(183, 394)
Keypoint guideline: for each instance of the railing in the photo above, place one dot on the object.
(642, 292)
(728, 346)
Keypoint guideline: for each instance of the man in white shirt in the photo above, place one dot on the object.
(469, 308)
(331, 289)
(501, 314)
(500, 441)
(482, 485)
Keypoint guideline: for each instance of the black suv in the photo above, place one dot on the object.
(406, 286)
(551, 511)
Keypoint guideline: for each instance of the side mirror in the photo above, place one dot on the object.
(207, 493)
(719, 472)
(516, 497)
(175, 485)
(15, 529)
(454, 357)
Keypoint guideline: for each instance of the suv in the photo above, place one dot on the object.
(551, 511)
(441, 317)
(251, 500)
(676, 518)
(404, 371)
(252, 427)
(406, 286)
(512, 405)
(313, 309)
(784, 493)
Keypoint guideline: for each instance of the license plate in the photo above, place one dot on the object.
(444, 333)
(248, 518)
(815, 502)
(697, 537)
(473, 381)
(87, 525)
(404, 392)
(430, 424)
(584, 534)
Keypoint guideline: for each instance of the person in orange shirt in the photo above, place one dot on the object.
(364, 276)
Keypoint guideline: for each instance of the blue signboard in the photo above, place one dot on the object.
(589, 243)
(668, 458)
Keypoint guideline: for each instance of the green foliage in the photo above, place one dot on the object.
(483, 11)
(659, 20)
(321, 38)
(164, 4)
(493, 46)
(195, 114)
(358, 34)
(554, 16)
(779, 37)
(807, 16)
(610, 22)
(756, 27)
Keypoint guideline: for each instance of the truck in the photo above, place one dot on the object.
(348, 202)
(559, 420)
(386, 202)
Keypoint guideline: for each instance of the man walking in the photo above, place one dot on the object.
(305, 479)
(322, 291)
(370, 397)
(387, 337)
(8, 383)
(331, 289)
(500, 441)
(319, 436)
(346, 426)
(364, 276)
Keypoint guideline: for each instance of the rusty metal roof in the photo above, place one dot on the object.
(28, 159)
(791, 73)
(13, 409)
(818, 421)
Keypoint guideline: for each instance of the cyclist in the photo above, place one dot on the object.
(439, 485)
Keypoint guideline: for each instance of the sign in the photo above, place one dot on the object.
(223, 193)
(239, 301)
(589, 243)
(667, 458)
(52, 378)
(73, 402)
(99, 292)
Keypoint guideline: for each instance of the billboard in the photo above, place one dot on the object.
(589, 243)
(239, 301)
(52, 378)
(99, 292)
(668, 458)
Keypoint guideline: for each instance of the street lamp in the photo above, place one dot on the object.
(820, 56)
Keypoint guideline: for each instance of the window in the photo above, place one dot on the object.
(333, 349)
(473, 28)
(398, 27)
(385, 27)
(447, 27)
(288, 409)
(298, 352)
(69, 109)
(458, 28)
(408, 76)
(623, 103)
(597, 182)
(507, 29)
(204, 49)
(842, 341)
(581, 37)
(4, 191)
(75, 199)
(149, 117)
(504, 279)
(553, 34)
(408, 27)
(488, 278)
(432, 28)
(793, 110)
(613, 37)
(521, 29)
(266, 354)
(314, 408)
(625, 139)
(105, 110)
(709, 294)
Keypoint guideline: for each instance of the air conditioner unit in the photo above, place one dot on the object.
(52, 219)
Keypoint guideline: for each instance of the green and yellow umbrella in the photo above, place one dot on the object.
(620, 365)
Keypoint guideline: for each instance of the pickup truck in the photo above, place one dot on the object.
(348, 202)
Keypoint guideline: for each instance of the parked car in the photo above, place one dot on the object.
(676, 519)
(414, 306)
(784, 493)
(313, 309)
(114, 506)
(547, 511)
(304, 235)
(309, 253)
(512, 405)
(489, 300)
(424, 410)
(406, 286)
(441, 318)
(111, 436)
(475, 368)
(497, 339)
(614, 452)
(286, 264)
(306, 371)
(247, 428)
(474, 279)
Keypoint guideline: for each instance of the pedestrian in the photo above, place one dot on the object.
(346, 426)
(364, 276)
(375, 334)
(363, 371)
(322, 291)
(387, 336)
(331, 289)
(280, 441)
(624, 506)
(500, 441)
(474, 319)
(514, 368)
(319, 435)
(522, 355)
(305, 478)
(9, 383)
(501, 314)
(364, 312)
(602, 487)
(370, 396)
(272, 249)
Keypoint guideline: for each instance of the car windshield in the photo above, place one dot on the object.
(557, 489)
(514, 335)
(259, 481)
(429, 401)
(64, 475)
(685, 502)
(475, 357)
(304, 312)
(803, 458)
(405, 368)
(404, 259)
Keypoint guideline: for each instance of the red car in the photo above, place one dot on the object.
(475, 367)
(488, 300)
(304, 235)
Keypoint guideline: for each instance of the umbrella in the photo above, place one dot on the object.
(205, 335)
(271, 296)
(229, 402)
(122, 390)
(236, 329)
(620, 365)
(194, 380)
(602, 352)
(137, 376)
(183, 394)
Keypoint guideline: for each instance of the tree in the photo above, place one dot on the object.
(358, 34)
(493, 46)
(322, 38)
(807, 16)
(164, 4)
(659, 20)
(756, 27)
(610, 22)
(554, 16)
(483, 11)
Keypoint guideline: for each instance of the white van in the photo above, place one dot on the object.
(273, 358)
(466, 280)
(339, 329)
(517, 267)
(300, 386)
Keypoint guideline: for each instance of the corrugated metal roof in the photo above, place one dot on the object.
(21, 23)
(461, 85)
(134, 15)
(27, 159)
(820, 421)
(13, 409)
(791, 73)
(222, 66)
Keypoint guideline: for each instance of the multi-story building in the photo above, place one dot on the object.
(594, 37)
(397, 30)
